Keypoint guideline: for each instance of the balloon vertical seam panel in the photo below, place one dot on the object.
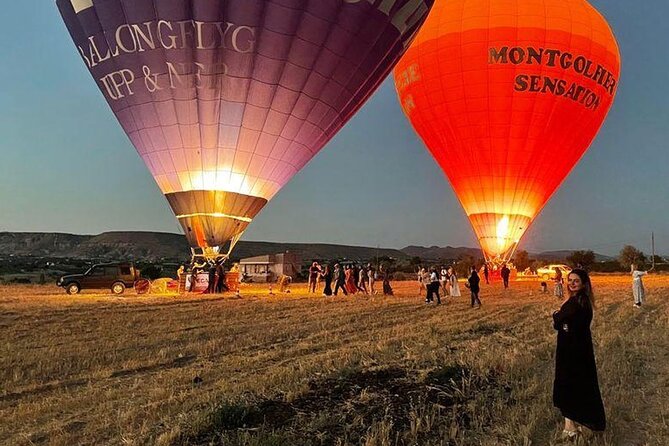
(506, 178)
(225, 100)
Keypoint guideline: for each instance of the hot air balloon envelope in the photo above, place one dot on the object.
(507, 95)
(226, 100)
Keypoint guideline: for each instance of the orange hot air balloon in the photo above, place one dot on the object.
(508, 95)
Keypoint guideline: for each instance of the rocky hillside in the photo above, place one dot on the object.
(157, 245)
(160, 245)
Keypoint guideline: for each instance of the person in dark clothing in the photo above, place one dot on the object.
(473, 283)
(220, 273)
(576, 388)
(505, 273)
(339, 279)
(212, 279)
(327, 277)
(485, 273)
(385, 277)
(432, 287)
(314, 272)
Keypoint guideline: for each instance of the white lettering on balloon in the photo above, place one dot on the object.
(135, 38)
(163, 34)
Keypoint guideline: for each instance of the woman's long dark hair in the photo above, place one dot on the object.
(585, 297)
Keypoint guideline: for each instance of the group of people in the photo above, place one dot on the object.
(349, 279)
(575, 388)
(446, 281)
(215, 271)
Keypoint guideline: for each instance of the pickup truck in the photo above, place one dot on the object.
(114, 276)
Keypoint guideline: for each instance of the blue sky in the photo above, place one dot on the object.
(66, 165)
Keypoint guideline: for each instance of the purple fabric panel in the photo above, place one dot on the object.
(250, 86)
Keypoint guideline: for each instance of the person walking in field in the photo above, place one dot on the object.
(362, 280)
(454, 288)
(505, 273)
(433, 287)
(339, 279)
(443, 280)
(371, 278)
(576, 388)
(421, 283)
(385, 277)
(314, 272)
(558, 291)
(327, 278)
(638, 291)
(486, 273)
(473, 283)
(349, 274)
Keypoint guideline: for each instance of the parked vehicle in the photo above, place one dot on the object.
(114, 276)
(548, 272)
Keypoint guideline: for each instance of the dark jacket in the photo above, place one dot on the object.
(576, 389)
(474, 281)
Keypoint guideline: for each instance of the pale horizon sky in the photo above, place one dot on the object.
(66, 165)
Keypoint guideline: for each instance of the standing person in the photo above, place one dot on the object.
(443, 280)
(314, 271)
(362, 280)
(193, 279)
(220, 273)
(453, 281)
(385, 277)
(327, 277)
(371, 278)
(473, 283)
(350, 280)
(339, 279)
(212, 279)
(638, 291)
(421, 283)
(181, 278)
(576, 388)
(505, 273)
(558, 291)
(486, 273)
(433, 287)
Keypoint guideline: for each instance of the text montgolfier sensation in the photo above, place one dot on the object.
(226, 100)
(508, 95)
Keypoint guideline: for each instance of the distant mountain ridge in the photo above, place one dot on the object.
(159, 245)
(153, 246)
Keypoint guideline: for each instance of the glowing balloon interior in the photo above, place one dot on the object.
(507, 96)
(226, 100)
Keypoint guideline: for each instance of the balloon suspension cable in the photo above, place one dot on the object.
(512, 252)
(502, 258)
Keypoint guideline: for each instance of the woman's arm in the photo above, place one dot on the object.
(564, 315)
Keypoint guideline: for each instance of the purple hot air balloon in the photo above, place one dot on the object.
(226, 100)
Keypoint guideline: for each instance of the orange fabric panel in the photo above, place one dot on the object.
(508, 95)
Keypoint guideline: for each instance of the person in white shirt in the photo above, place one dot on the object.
(638, 290)
(433, 287)
(453, 279)
(443, 280)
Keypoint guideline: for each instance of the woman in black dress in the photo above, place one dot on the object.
(327, 276)
(576, 389)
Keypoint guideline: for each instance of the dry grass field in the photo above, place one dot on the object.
(304, 370)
